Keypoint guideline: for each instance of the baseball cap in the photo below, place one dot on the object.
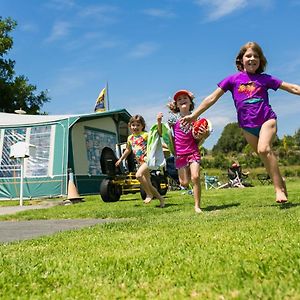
(183, 92)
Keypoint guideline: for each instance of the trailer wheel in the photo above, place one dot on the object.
(156, 183)
(163, 185)
(109, 191)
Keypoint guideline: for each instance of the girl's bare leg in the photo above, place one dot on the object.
(192, 174)
(195, 178)
(144, 176)
(141, 176)
(184, 175)
(262, 146)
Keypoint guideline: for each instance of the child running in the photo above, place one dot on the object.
(137, 143)
(249, 88)
(186, 143)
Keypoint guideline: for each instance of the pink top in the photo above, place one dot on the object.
(184, 141)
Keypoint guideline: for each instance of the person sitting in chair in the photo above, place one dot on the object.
(236, 175)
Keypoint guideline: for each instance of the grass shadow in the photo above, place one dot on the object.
(218, 207)
(288, 205)
(139, 198)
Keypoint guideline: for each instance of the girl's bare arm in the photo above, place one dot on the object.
(205, 104)
(123, 156)
(159, 121)
(290, 87)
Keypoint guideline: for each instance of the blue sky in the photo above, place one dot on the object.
(146, 50)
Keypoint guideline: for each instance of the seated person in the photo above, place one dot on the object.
(236, 170)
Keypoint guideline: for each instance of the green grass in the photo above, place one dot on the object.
(243, 246)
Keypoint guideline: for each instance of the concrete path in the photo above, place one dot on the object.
(8, 210)
(24, 230)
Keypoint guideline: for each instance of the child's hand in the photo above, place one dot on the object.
(187, 120)
(118, 162)
(159, 117)
(201, 134)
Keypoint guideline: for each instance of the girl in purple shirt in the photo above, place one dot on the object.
(249, 89)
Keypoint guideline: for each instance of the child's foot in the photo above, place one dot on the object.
(162, 203)
(198, 210)
(147, 200)
(281, 197)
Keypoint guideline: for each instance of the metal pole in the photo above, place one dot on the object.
(21, 181)
(107, 97)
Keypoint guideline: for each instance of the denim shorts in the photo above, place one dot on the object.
(183, 161)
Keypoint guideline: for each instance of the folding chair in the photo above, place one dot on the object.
(211, 182)
(236, 177)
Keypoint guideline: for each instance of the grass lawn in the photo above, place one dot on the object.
(243, 246)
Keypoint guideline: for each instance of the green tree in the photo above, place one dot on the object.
(297, 138)
(15, 91)
(231, 140)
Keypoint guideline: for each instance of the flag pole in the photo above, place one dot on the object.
(107, 96)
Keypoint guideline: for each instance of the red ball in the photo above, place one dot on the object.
(198, 123)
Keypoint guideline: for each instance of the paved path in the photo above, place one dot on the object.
(24, 230)
(8, 210)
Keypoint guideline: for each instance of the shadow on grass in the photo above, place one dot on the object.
(139, 198)
(288, 205)
(218, 207)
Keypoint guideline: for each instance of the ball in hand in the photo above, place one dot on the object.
(197, 124)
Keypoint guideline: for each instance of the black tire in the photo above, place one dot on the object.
(143, 194)
(156, 182)
(109, 191)
(163, 185)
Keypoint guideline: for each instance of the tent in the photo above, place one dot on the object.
(63, 144)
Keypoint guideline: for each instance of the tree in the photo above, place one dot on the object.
(231, 140)
(297, 138)
(15, 91)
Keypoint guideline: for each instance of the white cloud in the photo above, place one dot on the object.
(221, 8)
(102, 13)
(91, 42)
(143, 49)
(159, 13)
(60, 29)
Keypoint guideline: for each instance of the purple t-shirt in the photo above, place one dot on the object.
(250, 95)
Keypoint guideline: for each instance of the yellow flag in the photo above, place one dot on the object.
(100, 102)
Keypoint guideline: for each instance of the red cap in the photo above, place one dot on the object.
(183, 92)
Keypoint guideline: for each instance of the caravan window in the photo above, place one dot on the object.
(96, 140)
(10, 167)
(40, 138)
(34, 166)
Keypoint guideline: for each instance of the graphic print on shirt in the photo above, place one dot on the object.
(139, 145)
(173, 118)
(251, 91)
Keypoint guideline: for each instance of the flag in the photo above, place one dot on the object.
(100, 105)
